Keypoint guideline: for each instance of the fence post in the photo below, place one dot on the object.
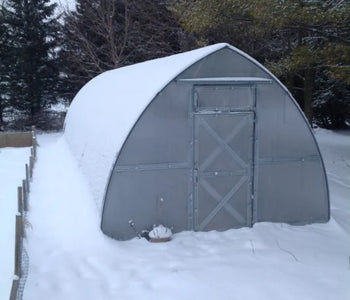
(31, 166)
(27, 178)
(14, 289)
(34, 147)
(25, 195)
(34, 142)
(18, 245)
(20, 199)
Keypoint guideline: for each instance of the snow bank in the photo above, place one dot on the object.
(335, 148)
(106, 108)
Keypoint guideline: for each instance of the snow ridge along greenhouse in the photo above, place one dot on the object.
(203, 140)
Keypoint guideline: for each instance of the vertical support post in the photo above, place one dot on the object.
(14, 289)
(34, 147)
(33, 134)
(27, 178)
(25, 195)
(18, 245)
(255, 164)
(34, 142)
(195, 170)
(31, 166)
(190, 159)
(20, 199)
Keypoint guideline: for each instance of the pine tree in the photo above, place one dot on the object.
(315, 41)
(30, 41)
(4, 103)
(301, 41)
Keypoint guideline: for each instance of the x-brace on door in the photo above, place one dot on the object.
(223, 156)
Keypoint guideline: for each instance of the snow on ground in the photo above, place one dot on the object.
(70, 258)
(12, 171)
(336, 152)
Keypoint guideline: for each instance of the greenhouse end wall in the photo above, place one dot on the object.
(156, 179)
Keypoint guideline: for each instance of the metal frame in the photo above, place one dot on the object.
(191, 200)
(255, 165)
(209, 109)
(151, 167)
(225, 80)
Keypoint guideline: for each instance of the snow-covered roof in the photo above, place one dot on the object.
(107, 107)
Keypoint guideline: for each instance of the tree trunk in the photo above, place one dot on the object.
(1, 115)
(308, 90)
(290, 81)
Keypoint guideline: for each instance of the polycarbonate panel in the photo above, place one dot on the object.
(224, 63)
(147, 198)
(163, 135)
(223, 98)
(223, 158)
(282, 131)
(294, 192)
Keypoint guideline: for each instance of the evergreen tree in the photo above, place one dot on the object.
(154, 31)
(230, 21)
(301, 41)
(316, 43)
(30, 41)
(3, 57)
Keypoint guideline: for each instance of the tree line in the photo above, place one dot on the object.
(46, 56)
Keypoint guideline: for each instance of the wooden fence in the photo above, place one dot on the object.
(23, 207)
(16, 139)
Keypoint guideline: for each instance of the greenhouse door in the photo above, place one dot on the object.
(223, 157)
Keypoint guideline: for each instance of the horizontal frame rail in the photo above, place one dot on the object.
(152, 167)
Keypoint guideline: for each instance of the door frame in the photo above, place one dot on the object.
(193, 205)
